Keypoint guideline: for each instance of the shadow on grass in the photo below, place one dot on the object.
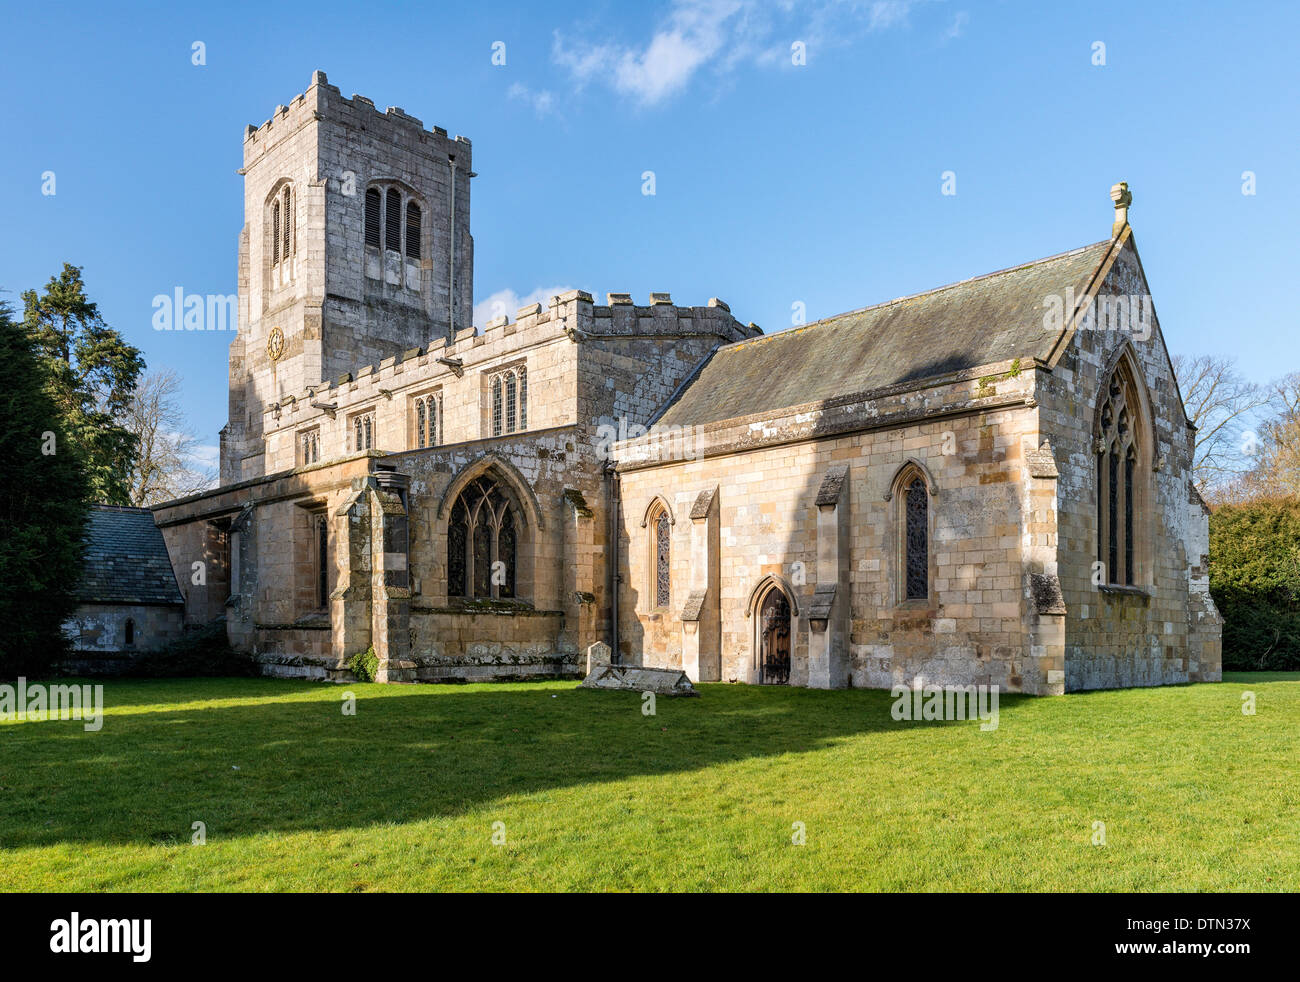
(294, 762)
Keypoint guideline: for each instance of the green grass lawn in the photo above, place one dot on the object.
(703, 796)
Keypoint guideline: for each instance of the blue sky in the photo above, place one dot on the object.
(775, 183)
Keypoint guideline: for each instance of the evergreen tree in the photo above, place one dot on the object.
(43, 508)
(90, 374)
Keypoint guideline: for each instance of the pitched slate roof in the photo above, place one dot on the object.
(981, 321)
(126, 559)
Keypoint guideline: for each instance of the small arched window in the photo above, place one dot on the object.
(372, 217)
(911, 492)
(412, 230)
(393, 220)
(129, 633)
(661, 530)
(482, 543)
(916, 509)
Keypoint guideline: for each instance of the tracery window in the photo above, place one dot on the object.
(510, 401)
(428, 420)
(309, 446)
(363, 431)
(1117, 449)
(911, 492)
(482, 543)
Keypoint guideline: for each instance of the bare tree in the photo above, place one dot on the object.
(168, 465)
(1278, 471)
(1218, 400)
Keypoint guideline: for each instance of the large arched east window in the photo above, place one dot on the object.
(482, 543)
(1119, 497)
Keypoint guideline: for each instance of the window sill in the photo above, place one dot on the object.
(914, 604)
(1125, 591)
(488, 605)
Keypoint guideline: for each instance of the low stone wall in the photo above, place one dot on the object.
(471, 645)
(296, 652)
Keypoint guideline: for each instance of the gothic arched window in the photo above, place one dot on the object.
(393, 220)
(482, 543)
(1118, 448)
(373, 205)
(911, 493)
(412, 230)
(661, 530)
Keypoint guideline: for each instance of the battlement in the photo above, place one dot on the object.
(323, 101)
(573, 317)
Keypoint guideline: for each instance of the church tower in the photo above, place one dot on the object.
(355, 248)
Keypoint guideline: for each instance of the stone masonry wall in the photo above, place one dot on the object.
(768, 473)
(1167, 630)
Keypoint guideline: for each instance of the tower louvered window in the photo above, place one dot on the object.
(275, 232)
(412, 230)
(372, 217)
(288, 249)
(393, 220)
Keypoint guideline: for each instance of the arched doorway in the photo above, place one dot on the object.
(773, 642)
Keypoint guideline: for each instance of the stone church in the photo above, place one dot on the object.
(986, 483)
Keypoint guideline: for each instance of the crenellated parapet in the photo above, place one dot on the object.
(325, 102)
(661, 340)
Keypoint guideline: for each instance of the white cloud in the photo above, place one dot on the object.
(207, 456)
(720, 35)
(508, 302)
(958, 25)
(541, 100)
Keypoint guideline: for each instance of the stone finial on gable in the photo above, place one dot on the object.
(1122, 197)
(1042, 462)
